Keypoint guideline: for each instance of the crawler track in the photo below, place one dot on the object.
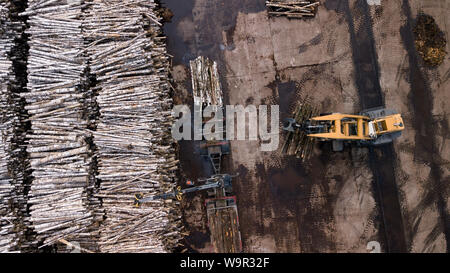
(381, 158)
(422, 105)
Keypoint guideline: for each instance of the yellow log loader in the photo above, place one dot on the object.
(370, 127)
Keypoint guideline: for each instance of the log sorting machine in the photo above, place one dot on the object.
(216, 185)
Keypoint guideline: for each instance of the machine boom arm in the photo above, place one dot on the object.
(216, 181)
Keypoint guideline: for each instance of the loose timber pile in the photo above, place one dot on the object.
(205, 86)
(7, 236)
(292, 8)
(57, 142)
(430, 40)
(135, 151)
(298, 143)
(205, 82)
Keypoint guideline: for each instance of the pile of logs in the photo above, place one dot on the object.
(135, 150)
(6, 188)
(57, 146)
(292, 8)
(205, 82)
(97, 101)
(297, 142)
(14, 226)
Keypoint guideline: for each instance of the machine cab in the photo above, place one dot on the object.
(389, 124)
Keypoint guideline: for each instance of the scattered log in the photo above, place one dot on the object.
(205, 82)
(292, 9)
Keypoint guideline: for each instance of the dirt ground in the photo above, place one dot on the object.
(331, 202)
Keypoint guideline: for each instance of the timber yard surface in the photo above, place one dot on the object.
(88, 162)
(349, 57)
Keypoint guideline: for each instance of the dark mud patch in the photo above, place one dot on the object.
(302, 48)
(249, 100)
(220, 16)
(181, 10)
(314, 41)
(382, 161)
(290, 189)
(198, 239)
(336, 5)
(287, 92)
(286, 183)
(365, 59)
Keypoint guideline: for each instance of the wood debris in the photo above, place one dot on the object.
(292, 8)
(430, 41)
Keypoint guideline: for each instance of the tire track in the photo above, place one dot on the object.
(424, 124)
(381, 159)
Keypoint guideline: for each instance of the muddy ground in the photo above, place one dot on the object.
(351, 56)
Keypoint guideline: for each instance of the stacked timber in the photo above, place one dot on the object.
(57, 146)
(7, 236)
(292, 8)
(14, 226)
(6, 188)
(135, 150)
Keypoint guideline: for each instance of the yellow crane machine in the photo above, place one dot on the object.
(370, 127)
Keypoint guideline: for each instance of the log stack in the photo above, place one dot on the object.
(57, 146)
(14, 163)
(87, 111)
(7, 236)
(292, 8)
(135, 150)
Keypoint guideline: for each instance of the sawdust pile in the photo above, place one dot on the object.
(430, 41)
